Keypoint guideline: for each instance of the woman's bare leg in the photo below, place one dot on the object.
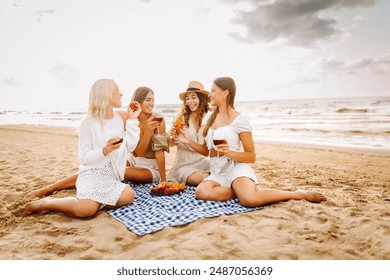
(196, 178)
(70, 206)
(138, 175)
(66, 183)
(251, 196)
(210, 190)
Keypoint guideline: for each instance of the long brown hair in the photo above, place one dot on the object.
(203, 109)
(224, 83)
(140, 94)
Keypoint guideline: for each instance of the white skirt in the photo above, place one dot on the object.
(149, 164)
(100, 185)
(225, 170)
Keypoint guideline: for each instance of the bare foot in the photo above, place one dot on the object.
(312, 196)
(36, 193)
(34, 206)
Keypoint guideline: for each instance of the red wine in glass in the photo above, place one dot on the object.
(219, 141)
(157, 119)
(120, 140)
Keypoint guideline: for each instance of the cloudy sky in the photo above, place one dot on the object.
(52, 51)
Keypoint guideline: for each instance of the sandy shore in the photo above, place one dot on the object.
(353, 224)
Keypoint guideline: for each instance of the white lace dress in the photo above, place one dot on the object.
(187, 161)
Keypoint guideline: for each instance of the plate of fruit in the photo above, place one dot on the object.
(167, 188)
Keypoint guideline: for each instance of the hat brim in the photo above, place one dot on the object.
(183, 94)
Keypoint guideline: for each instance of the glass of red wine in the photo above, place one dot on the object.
(217, 142)
(158, 117)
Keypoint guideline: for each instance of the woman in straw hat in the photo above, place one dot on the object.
(231, 175)
(190, 167)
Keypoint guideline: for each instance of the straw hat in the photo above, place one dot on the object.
(194, 86)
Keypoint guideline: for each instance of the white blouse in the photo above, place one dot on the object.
(230, 133)
(93, 136)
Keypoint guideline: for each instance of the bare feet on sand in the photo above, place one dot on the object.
(312, 196)
(36, 193)
(33, 206)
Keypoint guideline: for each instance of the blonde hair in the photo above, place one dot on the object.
(224, 83)
(100, 97)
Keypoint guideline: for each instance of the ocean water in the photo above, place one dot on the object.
(345, 122)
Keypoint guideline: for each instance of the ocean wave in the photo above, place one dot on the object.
(347, 110)
(334, 131)
(354, 121)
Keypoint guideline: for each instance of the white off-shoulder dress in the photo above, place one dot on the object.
(225, 170)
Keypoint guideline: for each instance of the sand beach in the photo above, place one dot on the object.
(354, 224)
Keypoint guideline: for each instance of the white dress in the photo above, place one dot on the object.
(187, 161)
(225, 170)
(100, 176)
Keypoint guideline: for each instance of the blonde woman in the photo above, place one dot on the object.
(231, 175)
(106, 137)
(143, 166)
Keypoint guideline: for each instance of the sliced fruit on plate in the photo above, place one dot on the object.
(167, 188)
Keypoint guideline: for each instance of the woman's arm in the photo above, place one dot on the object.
(199, 148)
(147, 128)
(132, 134)
(132, 130)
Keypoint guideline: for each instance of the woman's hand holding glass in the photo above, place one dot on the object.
(112, 145)
(173, 134)
(223, 149)
(221, 146)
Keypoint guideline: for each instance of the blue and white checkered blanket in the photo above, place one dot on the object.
(150, 213)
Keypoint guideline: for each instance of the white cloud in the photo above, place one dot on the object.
(66, 75)
(17, 4)
(14, 81)
(301, 23)
(40, 14)
(358, 18)
(370, 65)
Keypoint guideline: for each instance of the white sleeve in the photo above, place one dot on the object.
(242, 124)
(132, 134)
(87, 154)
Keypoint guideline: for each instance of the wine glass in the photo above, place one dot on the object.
(158, 117)
(217, 142)
(178, 123)
(110, 134)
